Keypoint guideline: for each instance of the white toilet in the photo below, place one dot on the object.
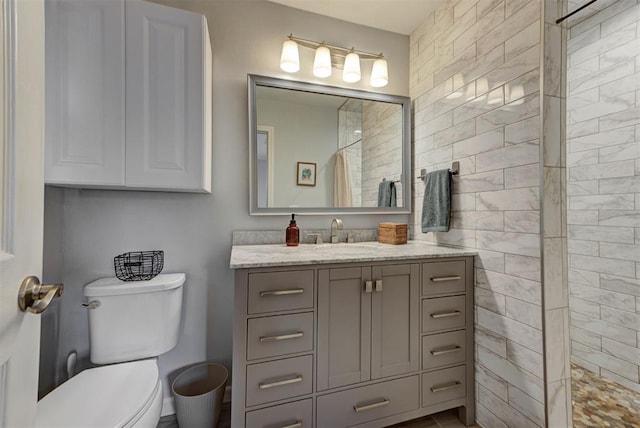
(130, 324)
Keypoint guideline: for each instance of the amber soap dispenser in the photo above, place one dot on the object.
(293, 233)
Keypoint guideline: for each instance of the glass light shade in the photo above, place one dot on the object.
(456, 87)
(351, 72)
(322, 62)
(517, 94)
(290, 60)
(379, 73)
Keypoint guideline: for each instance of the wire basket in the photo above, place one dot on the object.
(138, 265)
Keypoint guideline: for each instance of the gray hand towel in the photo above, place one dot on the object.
(387, 194)
(436, 205)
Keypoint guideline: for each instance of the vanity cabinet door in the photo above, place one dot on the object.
(168, 75)
(84, 137)
(395, 318)
(344, 327)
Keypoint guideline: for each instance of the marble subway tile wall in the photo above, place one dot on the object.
(603, 190)
(381, 149)
(475, 81)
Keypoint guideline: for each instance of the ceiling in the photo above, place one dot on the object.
(398, 16)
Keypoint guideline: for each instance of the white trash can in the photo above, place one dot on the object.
(198, 392)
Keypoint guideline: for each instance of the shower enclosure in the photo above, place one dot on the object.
(602, 116)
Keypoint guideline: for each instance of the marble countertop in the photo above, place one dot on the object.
(252, 256)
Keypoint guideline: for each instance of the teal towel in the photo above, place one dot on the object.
(387, 194)
(436, 205)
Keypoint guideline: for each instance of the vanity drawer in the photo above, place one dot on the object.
(443, 349)
(443, 313)
(291, 415)
(277, 380)
(443, 277)
(280, 291)
(368, 403)
(443, 385)
(279, 335)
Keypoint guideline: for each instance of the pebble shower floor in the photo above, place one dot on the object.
(600, 403)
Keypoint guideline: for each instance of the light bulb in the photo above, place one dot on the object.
(379, 73)
(351, 72)
(290, 60)
(322, 62)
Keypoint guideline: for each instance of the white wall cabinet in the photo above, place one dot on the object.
(128, 96)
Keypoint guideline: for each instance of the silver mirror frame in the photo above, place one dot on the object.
(255, 80)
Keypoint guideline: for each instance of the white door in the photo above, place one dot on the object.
(21, 202)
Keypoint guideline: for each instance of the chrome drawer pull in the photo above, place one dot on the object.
(442, 351)
(445, 278)
(297, 424)
(446, 314)
(281, 337)
(281, 292)
(446, 387)
(384, 402)
(267, 385)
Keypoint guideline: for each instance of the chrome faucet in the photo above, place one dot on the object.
(336, 224)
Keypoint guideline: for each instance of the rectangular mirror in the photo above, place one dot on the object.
(327, 150)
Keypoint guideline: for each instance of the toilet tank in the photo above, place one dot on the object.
(134, 320)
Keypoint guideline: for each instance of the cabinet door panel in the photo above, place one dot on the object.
(395, 319)
(344, 329)
(84, 138)
(167, 118)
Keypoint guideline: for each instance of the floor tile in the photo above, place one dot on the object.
(598, 402)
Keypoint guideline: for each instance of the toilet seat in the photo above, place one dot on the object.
(118, 395)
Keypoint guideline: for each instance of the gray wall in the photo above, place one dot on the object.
(303, 133)
(195, 230)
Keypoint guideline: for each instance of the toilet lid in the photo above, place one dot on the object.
(108, 396)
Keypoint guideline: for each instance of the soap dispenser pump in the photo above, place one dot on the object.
(293, 233)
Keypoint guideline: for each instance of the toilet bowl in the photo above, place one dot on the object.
(130, 324)
(118, 395)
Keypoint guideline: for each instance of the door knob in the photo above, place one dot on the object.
(34, 297)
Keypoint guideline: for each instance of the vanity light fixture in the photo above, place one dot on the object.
(329, 56)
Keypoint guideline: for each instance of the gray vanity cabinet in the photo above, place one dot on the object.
(353, 344)
(367, 323)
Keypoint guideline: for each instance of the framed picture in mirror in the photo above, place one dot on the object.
(306, 174)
